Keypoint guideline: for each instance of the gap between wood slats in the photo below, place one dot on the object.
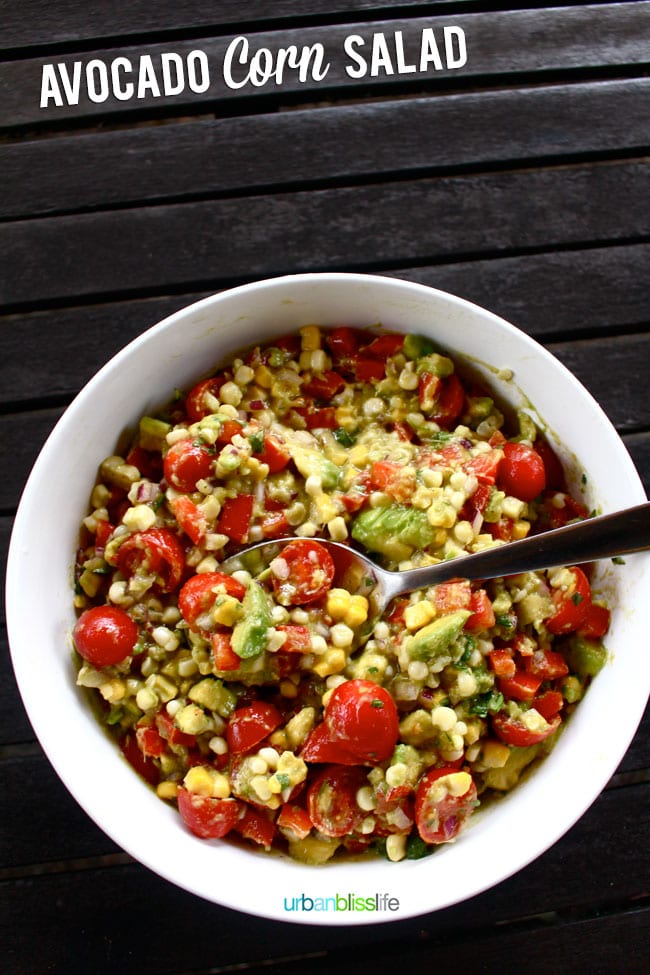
(398, 138)
(34, 23)
(547, 893)
(384, 226)
(502, 44)
(576, 294)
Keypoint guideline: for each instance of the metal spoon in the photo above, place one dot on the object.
(606, 536)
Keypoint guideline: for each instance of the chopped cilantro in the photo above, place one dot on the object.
(256, 440)
(492, 701)
(618, 560)
(376, 703)
(416, 848)
(576, 599)
(344, 438)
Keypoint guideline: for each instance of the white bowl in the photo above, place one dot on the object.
(141, 377)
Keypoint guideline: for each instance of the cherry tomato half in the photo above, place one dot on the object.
(521, 472)
(186, 463)
(195, 403)
(302, 573)
(362, 717)
(200, 591)
(105, 635)
(332, 799)
(206, 816)
(513, 732)
(156, 551)
(440, 815)
(571, 605)
(250, 725)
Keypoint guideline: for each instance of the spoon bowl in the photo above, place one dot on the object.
(605, 536)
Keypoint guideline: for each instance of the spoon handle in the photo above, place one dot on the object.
(620, 533)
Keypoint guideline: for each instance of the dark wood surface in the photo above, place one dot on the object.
(520, 181)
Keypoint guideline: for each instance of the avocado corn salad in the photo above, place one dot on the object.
(265, 703)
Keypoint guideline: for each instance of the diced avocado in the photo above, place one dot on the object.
(479, 407)
(312, 462)
(436, 638)
(506, 778)
(416, 346)
(436, 364)
(494, 507)
(152, 433)
(314, 849)
(586, 657)
(527, 428)
(250, 635)
(393, 530)
(211, 694)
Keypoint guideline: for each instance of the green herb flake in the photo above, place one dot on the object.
(376, 703)
(618, 560)
(256, 440)
(416, 848)
(345, 438)
(490, 702)
(576, 599)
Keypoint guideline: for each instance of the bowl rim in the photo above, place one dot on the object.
(21, 529)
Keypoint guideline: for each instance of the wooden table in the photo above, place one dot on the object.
(517, 178)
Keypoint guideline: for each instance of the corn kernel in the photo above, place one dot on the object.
(341, 635)
(338, 603)
(357, 612)
(227, 610)
(396, 847)
(264, 377)
(199, 780)
(338, 529)
(495, 754)
(332, 662)
(419, 614)
(139, 518)
(310, 338)
(167, 790)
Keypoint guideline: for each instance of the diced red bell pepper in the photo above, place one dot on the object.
(257, 826)
(502, 662)
(223, 654)
(295, 820)
(150, 742)
(546, 664)
(235, 518)
(482, 617)
(596, 623)
(384, 346)
(453, 595)
(298, 638)
(485, 466)
(521, 687)
(369, 370)
(548, 704)
(190, 518)
(324, 385)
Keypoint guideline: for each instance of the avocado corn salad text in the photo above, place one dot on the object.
(265, 703)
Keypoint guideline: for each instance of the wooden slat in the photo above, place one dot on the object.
(35, 22)
(201, 245)
(638, 445)
(14, 723)
(369, 139)
(611, 372)
(600, 861)
(500, 43)
(589, 292)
